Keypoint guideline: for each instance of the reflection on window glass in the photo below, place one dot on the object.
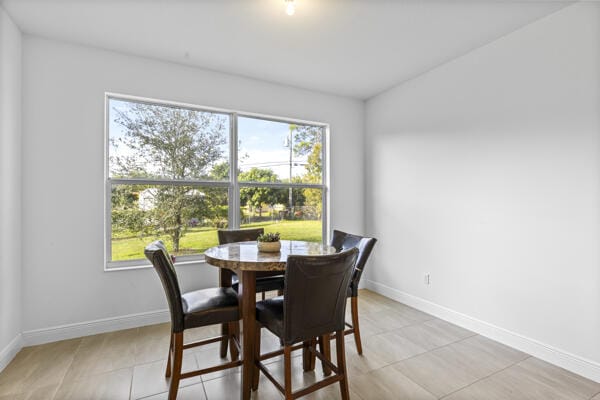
(296, 213)
(164, 142)
(184, 217)
(271, 151)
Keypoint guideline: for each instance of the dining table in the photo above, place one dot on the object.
(245, 260)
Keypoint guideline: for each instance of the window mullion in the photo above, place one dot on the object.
(281, 185)
(234, 188)
(325, 182)
(166, 182)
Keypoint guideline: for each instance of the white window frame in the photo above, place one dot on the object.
(233, 185)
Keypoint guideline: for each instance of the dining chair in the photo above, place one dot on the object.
(313, 306)
(266, 281)
(342, 241)
(193, 310)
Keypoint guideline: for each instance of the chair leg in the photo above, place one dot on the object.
(262, 296)
(313, 360)
(234, 332)
(225, 276)
(256, 370)
(355, 324)
(224, 341)
(287, 371)
(306, 355)
(341, 364)
(168, 371)
(312, 356)
(177, 361)
(325, 347)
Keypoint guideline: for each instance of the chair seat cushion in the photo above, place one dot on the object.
(263, 284)
(270, 314)
(209, 306)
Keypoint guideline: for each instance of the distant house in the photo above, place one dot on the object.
(146, 198)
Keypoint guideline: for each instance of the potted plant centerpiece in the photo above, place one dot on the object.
(269, 242)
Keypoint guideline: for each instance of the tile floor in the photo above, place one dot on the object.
(408, 355)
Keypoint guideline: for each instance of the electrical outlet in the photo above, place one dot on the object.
(427, 279)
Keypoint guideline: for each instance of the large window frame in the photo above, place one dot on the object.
(233, 185)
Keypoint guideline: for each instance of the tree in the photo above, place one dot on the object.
(305, 137)
(257, 196)
(169, 143)
(220, 171)
(308, 141)
(126, 216)
(216, 199)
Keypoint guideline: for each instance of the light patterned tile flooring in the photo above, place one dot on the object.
(407, 355)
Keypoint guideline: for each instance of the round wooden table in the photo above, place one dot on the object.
(245, 260)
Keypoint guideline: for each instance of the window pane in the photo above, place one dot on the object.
(184, 217)
(279, 152)
(164, 142)
(270, 208)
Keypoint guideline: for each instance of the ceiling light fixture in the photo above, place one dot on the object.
(290, 7)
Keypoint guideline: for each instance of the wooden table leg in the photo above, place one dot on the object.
(247, 292)
(224, 281)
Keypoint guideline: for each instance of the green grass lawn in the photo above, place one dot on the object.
(196, 240)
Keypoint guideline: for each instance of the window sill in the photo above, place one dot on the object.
(144, 265)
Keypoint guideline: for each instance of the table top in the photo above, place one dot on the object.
(245, 255)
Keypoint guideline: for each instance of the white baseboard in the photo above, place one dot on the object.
(10, 351)
(70, 331)
(571, 362)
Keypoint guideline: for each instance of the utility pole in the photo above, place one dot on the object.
(288, 143)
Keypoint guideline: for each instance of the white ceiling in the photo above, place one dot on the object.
(354, 48)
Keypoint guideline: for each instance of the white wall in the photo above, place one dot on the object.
(63, 142)
(10, 187)
(485, 173)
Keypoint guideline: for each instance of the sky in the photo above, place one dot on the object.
(262, 145)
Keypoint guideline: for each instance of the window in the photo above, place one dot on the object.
(178, 173)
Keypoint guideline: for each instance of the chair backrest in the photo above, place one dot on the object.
(344, 241)
(239, 235)
(157, 253)
(315, 294)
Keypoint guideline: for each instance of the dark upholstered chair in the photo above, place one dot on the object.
(265, 281)
(313, 306)
(343, 241)
(193, 310)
